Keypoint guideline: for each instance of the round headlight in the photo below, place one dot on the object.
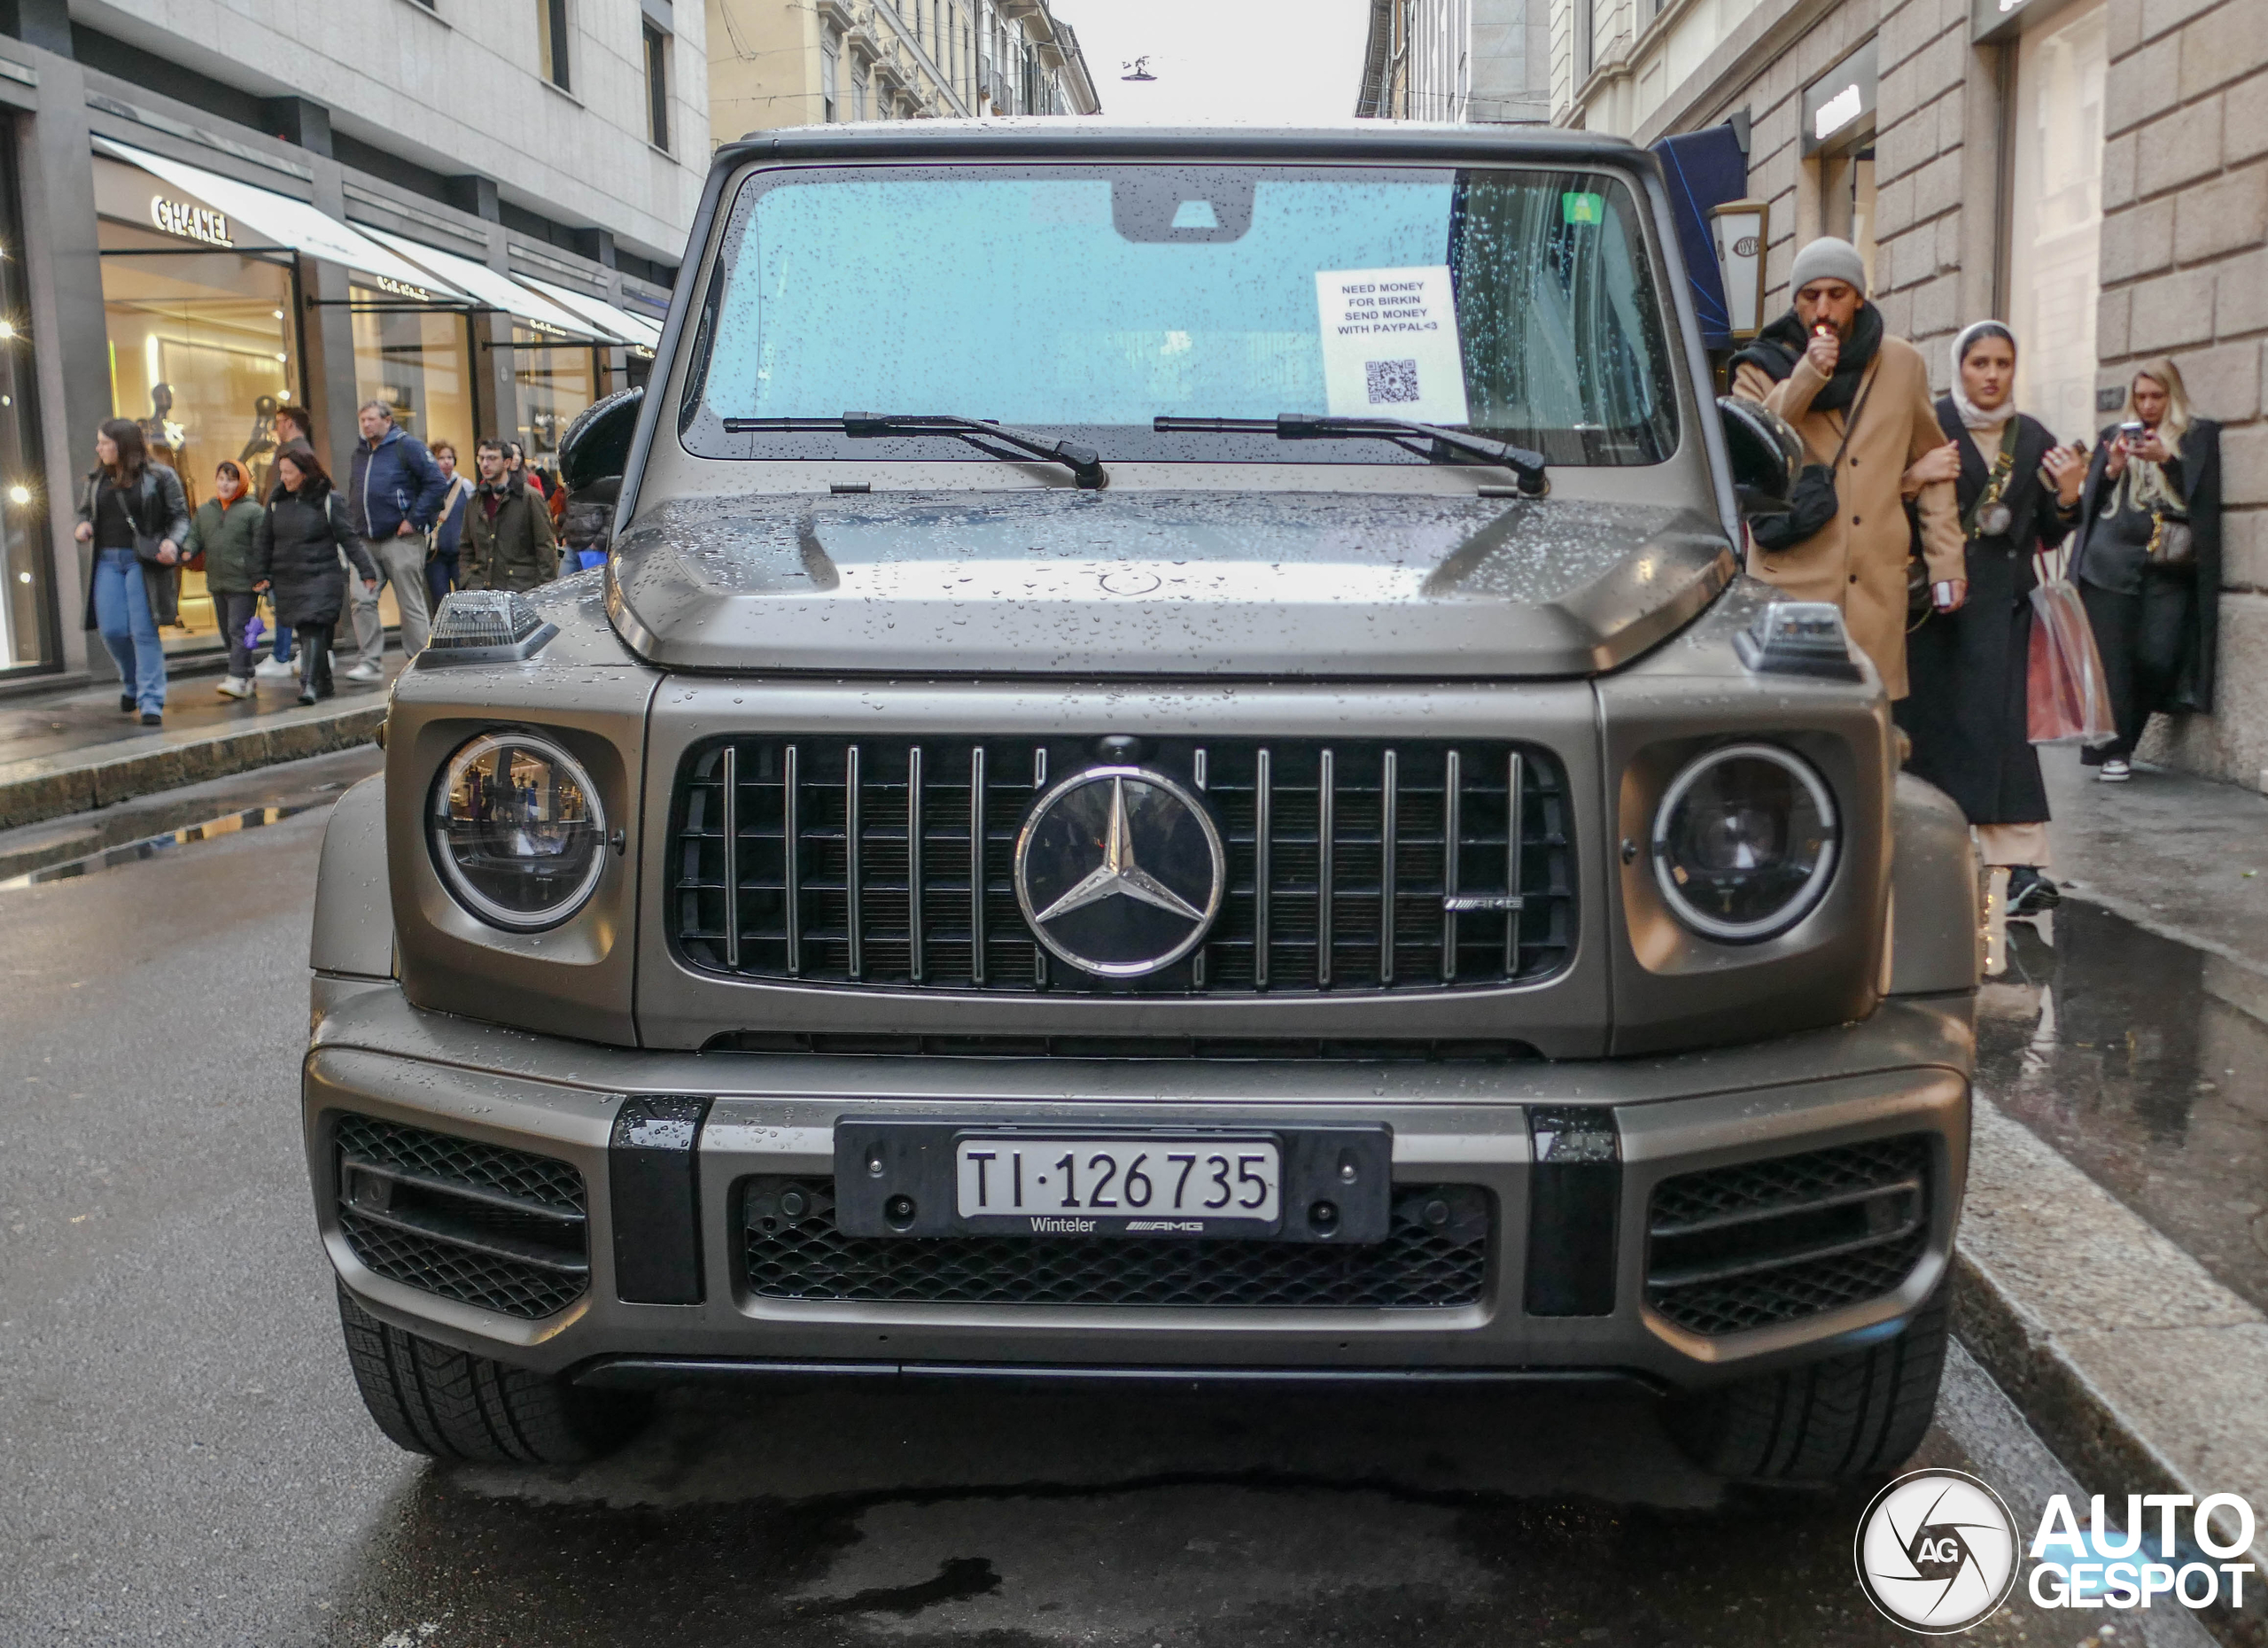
(518, 830)
(1745, 843)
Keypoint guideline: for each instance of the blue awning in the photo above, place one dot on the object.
(1704, 169)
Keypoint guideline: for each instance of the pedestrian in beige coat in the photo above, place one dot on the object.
(1825, 360)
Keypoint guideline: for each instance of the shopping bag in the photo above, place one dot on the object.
(2069, 702)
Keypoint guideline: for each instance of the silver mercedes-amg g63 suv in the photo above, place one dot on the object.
(1240, 820)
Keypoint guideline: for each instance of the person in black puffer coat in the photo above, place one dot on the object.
(296, 551)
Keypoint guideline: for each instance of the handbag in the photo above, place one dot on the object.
(2172, 542)
(1812, 503)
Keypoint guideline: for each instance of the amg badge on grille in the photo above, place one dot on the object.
(1120, 871)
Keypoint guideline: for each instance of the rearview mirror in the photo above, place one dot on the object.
(1766, 452)
(596, 446)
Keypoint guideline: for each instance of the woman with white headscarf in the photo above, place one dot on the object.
(1967, 715)
(2149, 565)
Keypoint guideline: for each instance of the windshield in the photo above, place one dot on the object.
(1086, 301)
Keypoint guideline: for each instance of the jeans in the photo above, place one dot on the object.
(441, 575)
(233, 610)
(401, 563)
(281, 651)
(129, 629)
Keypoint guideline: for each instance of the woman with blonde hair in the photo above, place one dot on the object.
(2149, 560)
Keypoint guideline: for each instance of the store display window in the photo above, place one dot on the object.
(204, 347)
(418, 362)
(29, 610)
(557, 379)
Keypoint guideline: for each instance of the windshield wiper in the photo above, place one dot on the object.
(1085, 463)
(1442, 445)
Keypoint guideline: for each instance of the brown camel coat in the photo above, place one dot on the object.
(1858, 560)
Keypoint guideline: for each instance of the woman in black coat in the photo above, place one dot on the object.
(295, 552)
(2150, 562)
(1968, 713)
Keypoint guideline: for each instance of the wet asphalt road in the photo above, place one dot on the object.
(182, 1458)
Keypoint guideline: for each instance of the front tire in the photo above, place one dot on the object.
(434, 1399)
(1850, 1416)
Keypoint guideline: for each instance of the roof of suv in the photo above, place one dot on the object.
(1058, 137)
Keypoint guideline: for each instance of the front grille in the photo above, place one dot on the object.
(473, 1222)
(882, 861)
(1764, 1242)
(1435, 1257)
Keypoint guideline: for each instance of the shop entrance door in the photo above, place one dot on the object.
(2055, 218)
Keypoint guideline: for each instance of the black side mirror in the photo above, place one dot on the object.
(1766, 454)
(596, 446)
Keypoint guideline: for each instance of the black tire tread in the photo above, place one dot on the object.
(434, 1399)
(1847, 1416)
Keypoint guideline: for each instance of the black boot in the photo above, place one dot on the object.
(2030, 892)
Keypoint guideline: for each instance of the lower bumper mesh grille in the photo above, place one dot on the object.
(476, 1222)
(1764, 1242)
(1435, 1257)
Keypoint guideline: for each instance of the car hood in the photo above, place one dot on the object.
(1270, 584)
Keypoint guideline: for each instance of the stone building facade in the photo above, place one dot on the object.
(2094, 171)
(775, 63)
(1483, 60)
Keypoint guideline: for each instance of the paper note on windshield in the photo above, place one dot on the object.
(1390, 347)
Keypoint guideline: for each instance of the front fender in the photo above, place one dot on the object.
(353, 924)
(1936, 930)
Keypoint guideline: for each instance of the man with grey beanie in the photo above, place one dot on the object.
(1861, 401)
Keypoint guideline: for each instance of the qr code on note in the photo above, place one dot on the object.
(1391, 382)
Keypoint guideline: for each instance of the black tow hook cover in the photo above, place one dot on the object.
(653, 1181)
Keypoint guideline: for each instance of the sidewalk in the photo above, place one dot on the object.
(2113, 1268)
(69, 751)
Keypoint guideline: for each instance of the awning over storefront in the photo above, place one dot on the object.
(491, 290)
(1704, 169)
(280, 219)
(627, 328)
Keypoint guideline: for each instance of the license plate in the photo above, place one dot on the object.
(1147, 1186)
(922, 1177)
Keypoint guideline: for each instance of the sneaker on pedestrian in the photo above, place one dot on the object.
(364, 672)
(235, 686)
(2115, 772)
(2030, 892)
(126, 702)
(275, 670)
(307, 695)
(150, 717)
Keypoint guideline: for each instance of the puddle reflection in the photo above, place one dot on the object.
(2145, 1061)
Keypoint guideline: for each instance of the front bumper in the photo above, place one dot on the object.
(1903, 1073)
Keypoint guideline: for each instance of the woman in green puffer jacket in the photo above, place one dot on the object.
(221, 532)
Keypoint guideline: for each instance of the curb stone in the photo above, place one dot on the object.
(2142, 1373)
(51, 787)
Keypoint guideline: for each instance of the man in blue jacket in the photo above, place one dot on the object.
(393, 498)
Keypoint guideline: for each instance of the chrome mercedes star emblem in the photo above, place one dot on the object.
(1120, 871)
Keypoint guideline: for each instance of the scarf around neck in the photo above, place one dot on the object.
(1781, 345)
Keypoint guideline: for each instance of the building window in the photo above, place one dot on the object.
(830, 71)
(857, 97)
(551, 33)
(657, 87)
